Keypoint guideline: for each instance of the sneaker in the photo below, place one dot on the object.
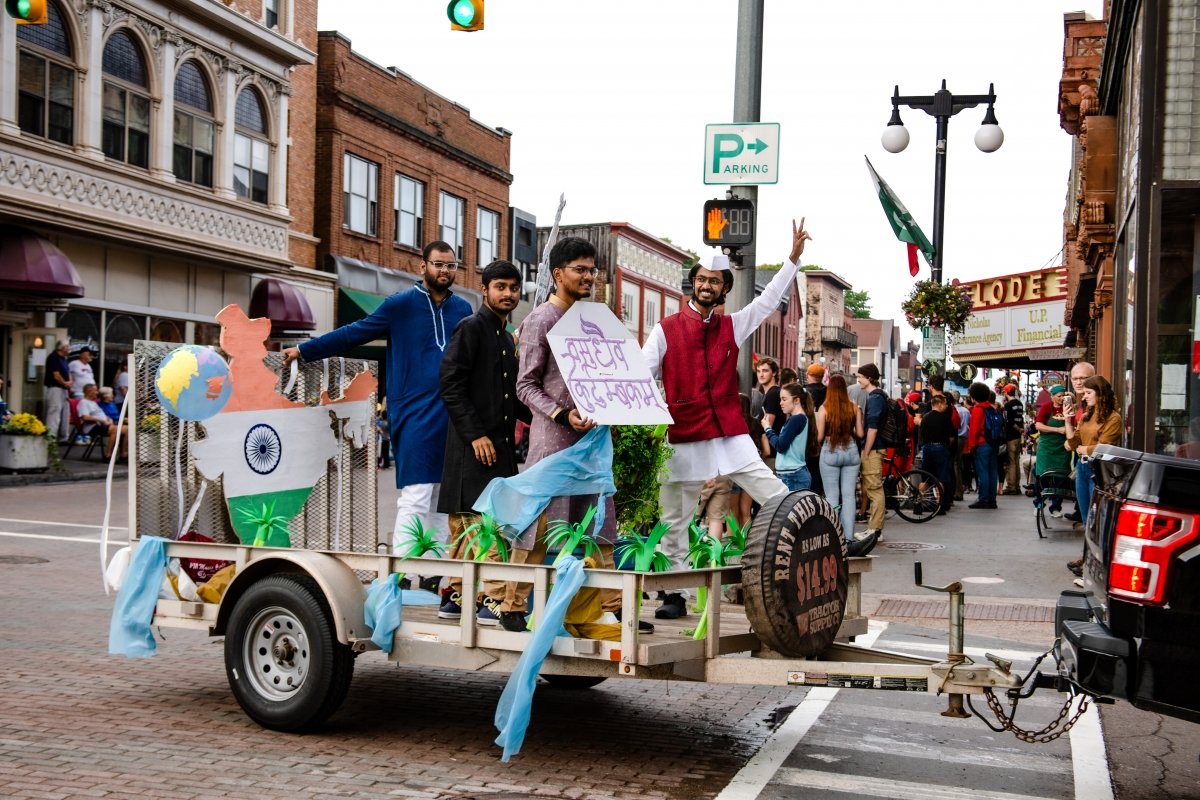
(452, 608)
(1056, 513)
(673, 607)
(1078, 582)
(859, 547)
(982, 504)
(431, 583)
(489, 612)
(643, 626)
(514, 621)
(83, 440)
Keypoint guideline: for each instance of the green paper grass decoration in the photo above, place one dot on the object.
(424, 540)
(266, 522)
(483, 535)
(736, 537)
(709, 551)
(643, 550)
(568, 537)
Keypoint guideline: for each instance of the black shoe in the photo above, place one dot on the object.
(860, 547)
(514, 621)
(1076, 568)
(1074, 516)
(643, 626)
(673, 607)
(431, 583)
(979, 504)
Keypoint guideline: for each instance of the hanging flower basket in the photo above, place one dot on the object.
(938, 305)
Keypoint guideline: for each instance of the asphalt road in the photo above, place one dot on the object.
(77, 722)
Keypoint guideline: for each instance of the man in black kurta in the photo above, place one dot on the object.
(479, 391)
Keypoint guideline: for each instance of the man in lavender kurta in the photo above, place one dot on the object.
(557, 424)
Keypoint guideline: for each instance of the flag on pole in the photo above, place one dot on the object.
(902, 222)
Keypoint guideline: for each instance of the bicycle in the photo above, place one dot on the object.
(1054, 487)
(915, 494)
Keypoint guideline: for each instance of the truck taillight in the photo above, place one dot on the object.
(1146, 540)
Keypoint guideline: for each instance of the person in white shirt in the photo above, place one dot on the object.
(81, 373)
(709, 435)
(93, 419)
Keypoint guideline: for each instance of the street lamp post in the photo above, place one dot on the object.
(942, 105)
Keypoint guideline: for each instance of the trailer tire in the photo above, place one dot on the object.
(574, 682)
(795, 575)
(285, 665)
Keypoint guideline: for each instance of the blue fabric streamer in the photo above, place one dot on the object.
(516, 702)
(382, 611)
(583, 468)
(129, 632)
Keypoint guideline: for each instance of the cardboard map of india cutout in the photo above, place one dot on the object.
(272, 450)
(604, 369)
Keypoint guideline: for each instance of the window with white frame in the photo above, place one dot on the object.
(487, 236)
(670, 305)
(408, 218)
(271, 13)
(360, 194)
(251, 148)
(192, 146)
(451, 221)
(125, 131)
(651, 302)
(46, 79)
(630, 308)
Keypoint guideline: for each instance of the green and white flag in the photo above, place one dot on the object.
(902, 222)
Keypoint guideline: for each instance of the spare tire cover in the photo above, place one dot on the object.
(795, 574)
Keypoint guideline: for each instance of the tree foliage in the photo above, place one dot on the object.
(858, 303)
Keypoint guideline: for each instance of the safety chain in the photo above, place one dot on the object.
(1046, 734)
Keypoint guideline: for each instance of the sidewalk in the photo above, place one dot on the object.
(71, 469)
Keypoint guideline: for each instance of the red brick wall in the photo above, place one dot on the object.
(402, 126)
(302, 107)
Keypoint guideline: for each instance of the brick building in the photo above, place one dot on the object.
(779, 335)
(146, 152)
(404, 166)
(828, 339)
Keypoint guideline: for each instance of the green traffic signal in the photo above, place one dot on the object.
(465, 15)
(26, 12)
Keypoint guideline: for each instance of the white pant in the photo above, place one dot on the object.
(418, 501)
(680, 498)
(58, 412)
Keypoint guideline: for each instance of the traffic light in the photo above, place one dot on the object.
(465, 15)
(729, 222)
(27, 12)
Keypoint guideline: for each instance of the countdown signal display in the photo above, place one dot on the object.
(728, 223)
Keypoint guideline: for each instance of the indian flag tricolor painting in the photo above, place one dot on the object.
(902, 222)
(271, 451)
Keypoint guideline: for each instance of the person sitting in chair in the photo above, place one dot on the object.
(94, 421)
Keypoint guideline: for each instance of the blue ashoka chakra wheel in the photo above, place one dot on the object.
(263, 449)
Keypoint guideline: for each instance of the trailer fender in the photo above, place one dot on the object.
(343, 592)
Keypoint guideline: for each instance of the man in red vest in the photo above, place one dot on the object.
(695, 352)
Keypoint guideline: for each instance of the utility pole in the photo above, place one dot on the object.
(747, 107)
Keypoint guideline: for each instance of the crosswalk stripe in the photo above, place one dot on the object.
(59, 524)
(985, 757)
(1088, 752)
(859, 786)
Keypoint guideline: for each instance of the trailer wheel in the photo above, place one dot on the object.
(285, 665)
(574, 681)
(795, 574)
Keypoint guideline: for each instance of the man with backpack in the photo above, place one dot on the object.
(984, 438)
(1014, 428)
(873, 447)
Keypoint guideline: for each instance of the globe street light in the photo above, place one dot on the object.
(942, 105)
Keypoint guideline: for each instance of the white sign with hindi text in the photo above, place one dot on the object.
(604, 369)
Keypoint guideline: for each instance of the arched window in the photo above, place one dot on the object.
(193, 138)
(251, 148)
(46, 99)
(126, 135)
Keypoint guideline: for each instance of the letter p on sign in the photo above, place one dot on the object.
(725, 145)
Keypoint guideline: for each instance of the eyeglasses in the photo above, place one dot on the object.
(583, 270)
(445, 266)
(716, 280)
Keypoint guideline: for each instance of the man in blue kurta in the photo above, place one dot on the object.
(417, 325)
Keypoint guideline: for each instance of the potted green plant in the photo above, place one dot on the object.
(938, 305)
(24, 444)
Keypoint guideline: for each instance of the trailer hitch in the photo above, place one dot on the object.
(958, 670)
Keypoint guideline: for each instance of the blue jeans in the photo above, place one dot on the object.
(839, 475)
(986, 472)
(937, 460)
(1084, 485)
(796, 479)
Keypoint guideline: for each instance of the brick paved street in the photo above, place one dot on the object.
(76, 722)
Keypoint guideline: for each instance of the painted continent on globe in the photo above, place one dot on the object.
(193, 382)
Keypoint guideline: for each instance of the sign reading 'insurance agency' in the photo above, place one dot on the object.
(1014, 314)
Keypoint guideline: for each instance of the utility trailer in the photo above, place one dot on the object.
(293, 617)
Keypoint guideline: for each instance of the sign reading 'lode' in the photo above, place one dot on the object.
(741, 153)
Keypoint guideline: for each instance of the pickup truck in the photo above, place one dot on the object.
(1133, 632)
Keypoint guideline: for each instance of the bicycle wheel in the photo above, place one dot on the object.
(1042, 525)
(918, 495)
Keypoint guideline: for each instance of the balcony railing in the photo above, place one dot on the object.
(838, 336)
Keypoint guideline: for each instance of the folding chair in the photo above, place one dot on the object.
(77, 430)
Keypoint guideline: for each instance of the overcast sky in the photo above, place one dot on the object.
(607, 101)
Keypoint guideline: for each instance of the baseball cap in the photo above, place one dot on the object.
(913, 397)
(815, 371)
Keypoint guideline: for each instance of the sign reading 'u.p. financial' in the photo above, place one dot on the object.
(741, 153)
